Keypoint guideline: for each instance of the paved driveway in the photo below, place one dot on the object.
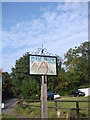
(9, 106)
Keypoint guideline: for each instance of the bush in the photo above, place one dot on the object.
(29, 89)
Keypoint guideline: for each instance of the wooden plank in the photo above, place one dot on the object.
(44, 97)
(77, 109)
(58, 100)
(56, 105)
(72, 100)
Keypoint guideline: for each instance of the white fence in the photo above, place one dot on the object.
(86, 91)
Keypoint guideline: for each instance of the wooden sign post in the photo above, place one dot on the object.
(43, 65)
(44, 97)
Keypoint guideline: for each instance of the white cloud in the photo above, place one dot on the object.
(65, 27)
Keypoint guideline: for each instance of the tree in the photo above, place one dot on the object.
(19, 73)
(59, 61)
(76, 61)
(29, 89)
(6, 86)
(58, 84)
(23, 84)
(74, 75)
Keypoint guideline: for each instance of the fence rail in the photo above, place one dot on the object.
(25, 103)
(55, 100)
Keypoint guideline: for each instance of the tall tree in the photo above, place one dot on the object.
(76, 61)
(22, 82)
(7, 91)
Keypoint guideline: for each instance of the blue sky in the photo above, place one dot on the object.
(25, 26)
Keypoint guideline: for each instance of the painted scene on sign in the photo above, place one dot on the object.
(42, 65)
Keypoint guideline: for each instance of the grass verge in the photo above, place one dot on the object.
(35, 112)
(4, 115)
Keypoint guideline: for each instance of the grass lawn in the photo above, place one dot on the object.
(35, 112)
(7, 116)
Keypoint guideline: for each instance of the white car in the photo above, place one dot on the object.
(56, 96)
(3, 105)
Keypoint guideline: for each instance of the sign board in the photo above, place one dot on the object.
(42, 65)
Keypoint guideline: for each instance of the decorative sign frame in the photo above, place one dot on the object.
(42, 65)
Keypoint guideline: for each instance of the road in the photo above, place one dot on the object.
(9, 107)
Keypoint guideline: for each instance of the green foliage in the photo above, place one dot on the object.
(7, 116)
(6, 86)
(73, 76)
(19, 73)
(29, 89)
(76, 61)
(24, 85)
(35, 112)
